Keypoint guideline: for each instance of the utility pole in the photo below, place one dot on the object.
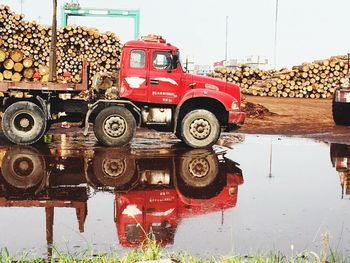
(21, 6)
(275, 44)
(53, 65)
(226, 38)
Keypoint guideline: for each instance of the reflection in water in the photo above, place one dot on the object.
(340, 157)
(153, 189)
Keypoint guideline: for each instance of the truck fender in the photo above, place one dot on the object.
(223, 98)
(124, 103)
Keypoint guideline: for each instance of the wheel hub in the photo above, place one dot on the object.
(23, 122)
(200, 129)
(113, 167)
(199, 167)
(23, 166)
(115, 126)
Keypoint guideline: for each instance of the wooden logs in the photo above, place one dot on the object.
(8, 64)
(310, 80)
(27, 62)
(18, 67)
(16, 55)
(7, 74)
(3, 55)
(28, 73)
(28, 43)
(16, 77)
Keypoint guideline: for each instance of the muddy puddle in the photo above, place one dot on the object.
(267, 193)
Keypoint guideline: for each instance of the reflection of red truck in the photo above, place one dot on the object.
(165, 186)
(153, 91)
(159, 208)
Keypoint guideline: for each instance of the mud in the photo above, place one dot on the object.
(254, 110)
(309, 118)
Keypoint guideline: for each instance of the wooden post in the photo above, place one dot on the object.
(53, 64)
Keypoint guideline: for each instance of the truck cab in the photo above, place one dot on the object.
(152, 76)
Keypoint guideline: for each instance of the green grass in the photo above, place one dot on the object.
(153, 252)
(150, 250)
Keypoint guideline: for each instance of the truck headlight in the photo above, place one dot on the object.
(234, 105)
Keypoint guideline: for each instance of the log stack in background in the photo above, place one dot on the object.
(243, 75)
(31, 42)
(309, 80)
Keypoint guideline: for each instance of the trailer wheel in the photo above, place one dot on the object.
(113, 169)
(200, 128)
(24, 123)
(115, 126)
(23, 167)
(341, 113)
(199, 168)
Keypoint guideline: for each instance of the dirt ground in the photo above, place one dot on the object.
(296, 117)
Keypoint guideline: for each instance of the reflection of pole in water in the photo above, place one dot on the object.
(270, 173)
(49, 211)
(222, 217)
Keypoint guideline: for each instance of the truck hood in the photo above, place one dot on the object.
(197, 81)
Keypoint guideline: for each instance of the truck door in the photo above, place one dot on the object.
(164, 83)
(134, 78)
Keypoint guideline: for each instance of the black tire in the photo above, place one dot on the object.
(115, 126)
(23, 167)
(113, 169)
(339, 151)
(178, 132)
(341, 113)
(199, 168)
(200, 129)
(24, 123)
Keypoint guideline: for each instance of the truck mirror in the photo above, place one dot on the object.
(170, 65)
(174, 61)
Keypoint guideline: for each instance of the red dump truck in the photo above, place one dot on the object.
(153, 90)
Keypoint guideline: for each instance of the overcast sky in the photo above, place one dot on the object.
(307, 29)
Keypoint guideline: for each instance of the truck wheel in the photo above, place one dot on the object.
(24, 123)
(200, 128)
(113, 169)
(341, 113)
(23, 167)
(199, 168)
(115, 126)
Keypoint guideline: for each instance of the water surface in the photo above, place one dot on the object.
(267, 193)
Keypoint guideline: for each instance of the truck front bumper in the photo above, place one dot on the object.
(236, 117)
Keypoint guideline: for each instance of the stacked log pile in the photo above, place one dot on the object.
(309, 80)
(243, 75)
(30, 42)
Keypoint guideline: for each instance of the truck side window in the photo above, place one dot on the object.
(161, 60)
(137, 59)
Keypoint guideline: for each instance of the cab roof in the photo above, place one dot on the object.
(149, 44)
